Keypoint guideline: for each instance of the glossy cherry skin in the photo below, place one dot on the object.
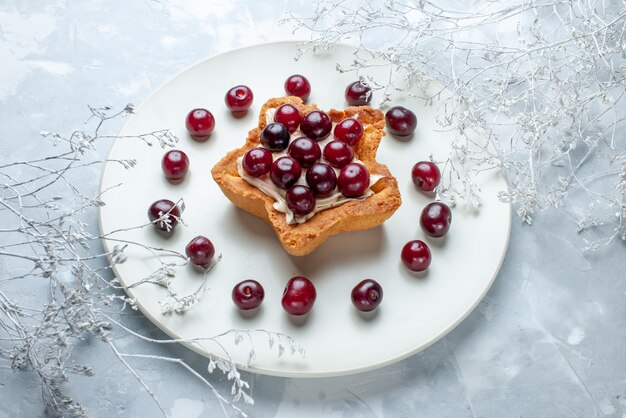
(358, 94)
(239, 99)
(200, 250)
(257, 162)
(353, 180)
(349, 131)
(322, 179)
(288, 115)
(338, 153)
(164, 207)
(275, 137)
(285, 172)
(416, 255)
(367, 295)
(300, 199)
(316, 125)
(298, 85)
(435, 219)
(400, 121)
(305, 151)
(299, 296)
(200, 123)
(248, 294)
(175, 165)
(426, 175)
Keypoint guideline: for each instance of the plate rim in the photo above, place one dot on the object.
(194, 346)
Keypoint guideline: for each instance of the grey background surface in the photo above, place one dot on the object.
(547, 340)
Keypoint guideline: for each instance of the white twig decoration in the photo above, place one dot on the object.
(544, 79)
(43, 236)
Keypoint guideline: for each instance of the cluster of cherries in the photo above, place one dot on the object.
(304, 153)
(300, 294)
(200, 122)
(435, 218)
(164, 213)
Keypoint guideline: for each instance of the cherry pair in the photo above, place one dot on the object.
(298, 297)
(200, 122)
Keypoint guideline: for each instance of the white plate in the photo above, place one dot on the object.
(415, 312)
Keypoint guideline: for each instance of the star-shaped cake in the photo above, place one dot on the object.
(290, 186)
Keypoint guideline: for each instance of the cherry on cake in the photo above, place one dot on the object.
(323, 176)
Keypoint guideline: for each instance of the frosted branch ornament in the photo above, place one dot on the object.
(44, 236)
(543, 81)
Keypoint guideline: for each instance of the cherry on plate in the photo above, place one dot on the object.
(338, 153)
(322, 179)
(416, 255)
(257, 162)
(168, 213)
(239, 99)
(435, 219)
(248, 294)
(288, 115)
(200, 250)
(349, 131)
(299, 296)
(305, 151)
(358, 94)
(426, 175)
(200, 123)
(316, 125)
(298, 85)
(175, 165)
(400, 121)
(275, 137)
(367, 295)
(353, 180)
(300, 199)
(285, 172)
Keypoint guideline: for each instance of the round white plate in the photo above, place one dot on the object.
(416, 311)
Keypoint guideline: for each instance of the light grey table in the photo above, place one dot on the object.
(548, 339)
